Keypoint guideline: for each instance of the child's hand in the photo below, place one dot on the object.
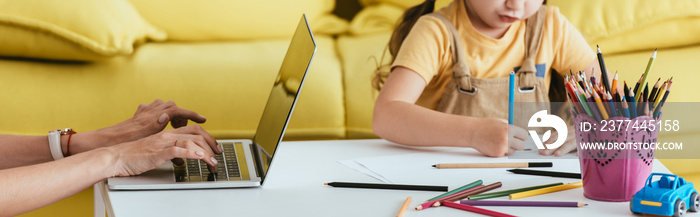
(568, 146)
(496, 138)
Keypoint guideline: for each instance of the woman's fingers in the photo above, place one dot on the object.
(206, 138)
(193, 151)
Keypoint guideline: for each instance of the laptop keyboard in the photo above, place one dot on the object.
(197, 170)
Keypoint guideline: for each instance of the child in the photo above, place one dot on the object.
(492, 35)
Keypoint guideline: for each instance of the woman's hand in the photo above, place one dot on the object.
(139, 156)
(149, 119)
(497, 138)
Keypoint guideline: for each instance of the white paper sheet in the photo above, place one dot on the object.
(417, 168)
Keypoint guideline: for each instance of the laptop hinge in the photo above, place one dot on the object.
(257, 159)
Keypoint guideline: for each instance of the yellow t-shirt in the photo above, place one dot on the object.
(426, 50)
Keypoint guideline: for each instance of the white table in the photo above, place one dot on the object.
(295, 187)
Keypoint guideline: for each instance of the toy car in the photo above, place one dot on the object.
(669, 195)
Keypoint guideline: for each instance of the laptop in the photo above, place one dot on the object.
(244, 163)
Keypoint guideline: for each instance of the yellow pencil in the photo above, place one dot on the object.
(614, 84)
(545, 190)
(646, 72)
(657, 99)
(600, 106)
(404, 207)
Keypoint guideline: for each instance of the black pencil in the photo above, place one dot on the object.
(603, 70)
(387, 186)
(636, 86)
(644, 100)
(654, 90)
(546, 173)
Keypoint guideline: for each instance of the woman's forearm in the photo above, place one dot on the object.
(17, 151)
(31, 187)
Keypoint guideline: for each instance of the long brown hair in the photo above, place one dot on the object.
(404, 26)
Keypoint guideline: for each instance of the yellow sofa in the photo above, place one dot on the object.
(62, 66)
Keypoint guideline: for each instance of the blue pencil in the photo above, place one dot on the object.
(613, 111)
(633, 105)
(511, 96)
(625, 107)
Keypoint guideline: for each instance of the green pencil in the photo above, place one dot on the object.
(646, 72)
(465, 187)
(508, 192)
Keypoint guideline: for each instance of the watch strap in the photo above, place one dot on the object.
(55, 144)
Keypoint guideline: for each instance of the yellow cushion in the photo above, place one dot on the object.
(72, 29)
(382, 16)
(630, 25)
(227, 82)
(375, 18)
(405, 3)
(187, 20)
(360, 56)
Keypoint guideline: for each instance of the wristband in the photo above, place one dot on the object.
(55, 141)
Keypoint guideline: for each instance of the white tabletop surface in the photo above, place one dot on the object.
(294, 187)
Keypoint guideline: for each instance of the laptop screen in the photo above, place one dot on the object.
(283, 96)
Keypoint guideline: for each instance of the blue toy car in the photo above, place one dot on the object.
(668, 195)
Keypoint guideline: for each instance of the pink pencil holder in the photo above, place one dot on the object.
(613, 173)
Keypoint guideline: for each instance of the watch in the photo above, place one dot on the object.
(55, 141)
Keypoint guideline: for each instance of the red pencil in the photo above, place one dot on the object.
(431, 203)
(475, 209)
(470, 192)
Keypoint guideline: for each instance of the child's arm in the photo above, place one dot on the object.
(398, 119)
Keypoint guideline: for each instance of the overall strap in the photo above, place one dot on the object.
(460, 71)
(533, 37)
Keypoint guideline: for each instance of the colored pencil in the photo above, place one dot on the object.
(546, 173)
(545, 190)
(462, 188)
(508, 192)
(657, 111)
(653, 90)
(580, 80)
(476, 209)
(387, 186)
(614, 84)
(613, 110)
(511, 96)
(633, 105)
(601, 107)
(521, 203)
(647, 112)
(646, 72)
(463, 195)
(642, 103)
(625, 109)
(613, 89)
(404, 206)
(492, 165)
(659, 94)
(431, 203)
(574, 98)
(584, 102)
(592, 105)
(603, 70)
(617, 98)
(639, 82)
